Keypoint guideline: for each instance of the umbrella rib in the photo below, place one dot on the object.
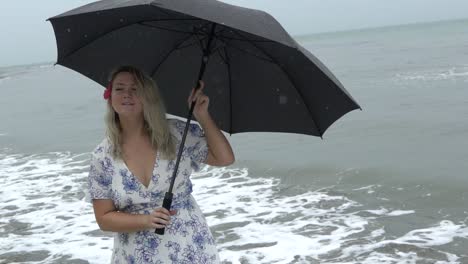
(221, 54)
(289, 78)
(176, 19)
(190, 44)
(115, 29)
(217, 49)
(91, 41)
(248, 40)
(200, 42)
(169, 12)
(103, 35)
(163, 28)
(169, 53)
(179, 46)
(248, 52)
(176, 47)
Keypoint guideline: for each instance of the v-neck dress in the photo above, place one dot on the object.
(187, 238)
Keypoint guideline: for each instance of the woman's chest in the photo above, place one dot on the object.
(129, 190)
(140, 160)
(141, 165)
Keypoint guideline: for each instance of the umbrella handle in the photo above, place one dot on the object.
(166, 204)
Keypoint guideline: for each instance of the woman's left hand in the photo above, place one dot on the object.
(201, 107)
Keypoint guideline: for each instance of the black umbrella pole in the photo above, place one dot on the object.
(167, 202)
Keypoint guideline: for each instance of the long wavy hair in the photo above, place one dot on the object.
(154, 114)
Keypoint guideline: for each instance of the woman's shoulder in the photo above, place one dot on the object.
(102, 149)
(178, 127)
(175, 123)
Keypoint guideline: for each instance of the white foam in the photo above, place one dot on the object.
(328, 229)
(453, 73)
(38, 186)
(401, 212)
(440, 234)
(386, 212)
(251, 217)
(370, 188)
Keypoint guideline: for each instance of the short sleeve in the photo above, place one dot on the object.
(197, 146)
(195, 143)
(99, 178)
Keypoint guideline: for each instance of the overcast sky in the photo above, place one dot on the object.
(27, 38)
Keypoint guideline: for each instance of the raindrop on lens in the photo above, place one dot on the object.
(283, 99)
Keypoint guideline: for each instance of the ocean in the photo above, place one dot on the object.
(387, 184)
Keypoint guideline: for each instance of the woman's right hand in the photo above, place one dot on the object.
(159, 218)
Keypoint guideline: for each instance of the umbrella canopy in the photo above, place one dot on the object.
(257, 77)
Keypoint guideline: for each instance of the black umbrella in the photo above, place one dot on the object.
(257, 77)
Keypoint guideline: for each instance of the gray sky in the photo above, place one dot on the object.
(28, 38)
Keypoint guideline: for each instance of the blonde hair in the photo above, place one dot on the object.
(154, 114)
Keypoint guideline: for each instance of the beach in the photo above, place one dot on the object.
(386, 184)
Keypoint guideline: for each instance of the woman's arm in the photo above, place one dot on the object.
(220, 152)
(109, 219)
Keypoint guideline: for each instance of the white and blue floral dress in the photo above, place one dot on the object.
(187, 238)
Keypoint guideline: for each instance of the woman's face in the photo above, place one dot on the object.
(124, 99)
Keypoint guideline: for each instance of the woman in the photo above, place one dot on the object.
(131, 169)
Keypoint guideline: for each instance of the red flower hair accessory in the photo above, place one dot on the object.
(107, 92)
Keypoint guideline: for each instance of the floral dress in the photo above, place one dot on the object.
(187, 238)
